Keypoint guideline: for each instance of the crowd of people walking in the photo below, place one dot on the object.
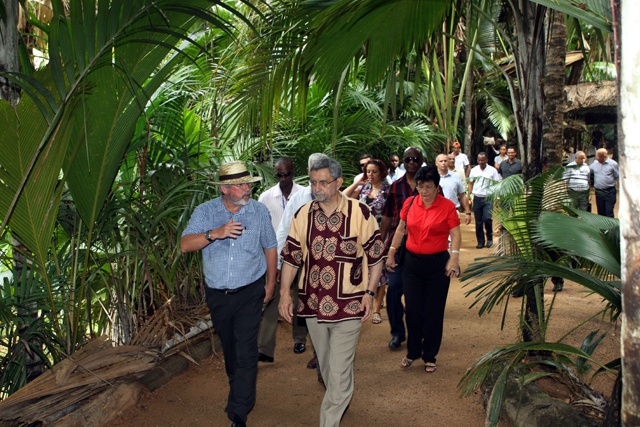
(326, 260)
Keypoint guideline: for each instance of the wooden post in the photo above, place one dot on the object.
(629, 206)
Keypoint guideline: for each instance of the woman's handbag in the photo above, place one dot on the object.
(402, 250)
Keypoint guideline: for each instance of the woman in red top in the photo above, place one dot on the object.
(430, 219)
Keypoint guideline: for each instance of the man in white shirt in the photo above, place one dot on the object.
(576, 177)
(275, 199)
(395, 172)
(452, 187)
(301, 198)
(451, 165)
(462, 161)
(480, 180)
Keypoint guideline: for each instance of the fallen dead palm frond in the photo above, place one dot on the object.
(91, 369)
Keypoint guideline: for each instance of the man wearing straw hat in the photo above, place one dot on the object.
(238, 245)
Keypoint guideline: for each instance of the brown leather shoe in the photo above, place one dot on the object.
(313, 363)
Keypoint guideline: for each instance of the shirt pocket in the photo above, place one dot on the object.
(249, 239)
(347, 252)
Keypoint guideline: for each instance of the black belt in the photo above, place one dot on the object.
(606, 189)
(232, 291)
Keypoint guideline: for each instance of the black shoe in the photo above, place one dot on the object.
(299, 348)
(264, 358)
(558, 287)
(237, 422)
(479, 246)
(313, 363)
(395, 343)
(490, 243)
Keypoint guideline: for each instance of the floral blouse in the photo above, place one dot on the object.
(377, 203)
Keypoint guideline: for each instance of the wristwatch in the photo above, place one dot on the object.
(207, 235)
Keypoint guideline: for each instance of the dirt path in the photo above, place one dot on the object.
(385, 395)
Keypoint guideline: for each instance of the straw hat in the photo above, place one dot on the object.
(235, 173)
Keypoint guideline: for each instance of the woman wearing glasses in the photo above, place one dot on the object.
(374, 194)
(428, 267)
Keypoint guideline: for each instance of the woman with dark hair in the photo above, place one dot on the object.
(430, 219)
(500, 155)
(374, 194)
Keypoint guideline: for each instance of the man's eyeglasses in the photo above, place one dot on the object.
(412, 159)
(284, 175)
(363, 165)
(322, 183)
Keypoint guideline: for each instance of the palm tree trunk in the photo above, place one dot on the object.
(527, 20)
(9, 51)
(9, 62)
(553, 84)
(629, 210)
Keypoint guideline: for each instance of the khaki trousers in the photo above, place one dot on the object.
(269, 325)
(335, 345)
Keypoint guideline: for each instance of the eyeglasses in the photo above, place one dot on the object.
(412, 159)
(363, 165)
(322, 183)
(423, 186)
(284, 175)
(243, 185)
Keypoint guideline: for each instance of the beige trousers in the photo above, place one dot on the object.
(335, 345)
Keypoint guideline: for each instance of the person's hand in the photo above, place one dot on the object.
(285, 308)
(230, 229)
(453, 268)
(269, 293)
(467, 219)
(390, 264)
(366, 305)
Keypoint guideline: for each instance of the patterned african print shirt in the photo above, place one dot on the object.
(334, 254)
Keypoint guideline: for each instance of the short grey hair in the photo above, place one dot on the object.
(315, 157)
(335, 170)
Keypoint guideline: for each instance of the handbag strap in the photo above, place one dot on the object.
(406, 227)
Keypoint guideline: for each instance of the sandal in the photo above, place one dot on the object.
(406, 362)
(376, 318)
(430, 368)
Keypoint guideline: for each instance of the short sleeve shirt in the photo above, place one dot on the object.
(428, 228)
(398, 193)
(233, 263)
(452, 187)
(334, 254)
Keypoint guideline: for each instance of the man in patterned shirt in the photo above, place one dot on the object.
(335, 243)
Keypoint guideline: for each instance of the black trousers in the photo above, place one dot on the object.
(426, 287)
(236, 319)
(605, 201)
(482, 208)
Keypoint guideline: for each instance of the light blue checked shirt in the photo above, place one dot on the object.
(233, 263)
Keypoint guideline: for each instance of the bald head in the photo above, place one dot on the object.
(441, 164)
(601, 155)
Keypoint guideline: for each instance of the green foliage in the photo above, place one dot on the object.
(536, 246)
